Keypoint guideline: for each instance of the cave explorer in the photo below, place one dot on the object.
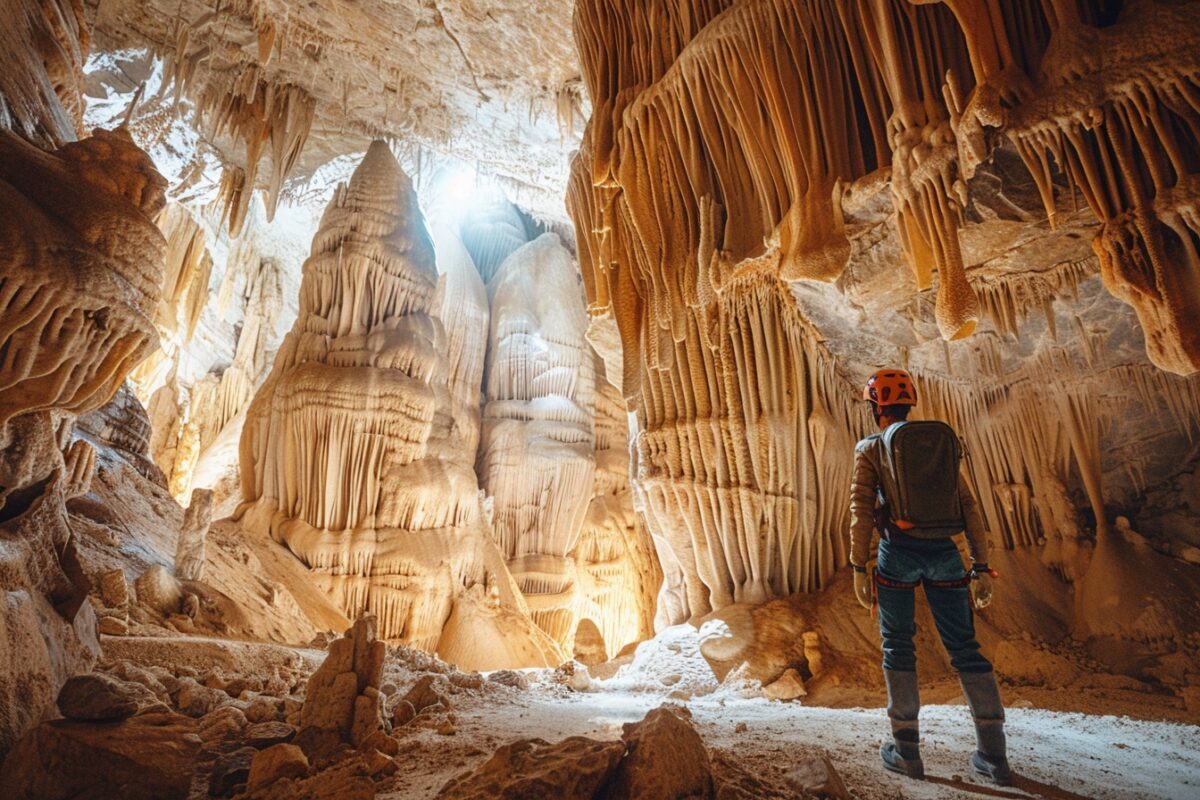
(908, 484)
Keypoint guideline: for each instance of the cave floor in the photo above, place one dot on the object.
(1055, 754)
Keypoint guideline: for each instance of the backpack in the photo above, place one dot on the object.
(920, 478)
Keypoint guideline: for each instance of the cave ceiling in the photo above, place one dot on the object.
(493, 84)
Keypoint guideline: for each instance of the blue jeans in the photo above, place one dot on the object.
(951, 607)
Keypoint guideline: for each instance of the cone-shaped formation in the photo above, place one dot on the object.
(348, 449)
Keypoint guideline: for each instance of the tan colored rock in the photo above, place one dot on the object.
(261, 735)
(343, 694)
(665, 759)
(82, 262)
(763, 640)
(196, 700)
(368, 715)
(189, 553)
(114, 589)
(619, 570)
(537, 457)
(364, 388)
(817, 777)
(97, 697)
(789, 686)
(276, 763)
(532, 769)
(423, 695)
(221, 726)
(147, 757)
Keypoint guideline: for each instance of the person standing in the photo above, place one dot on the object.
(907, 483)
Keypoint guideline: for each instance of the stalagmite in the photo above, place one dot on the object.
(350, 453)
(537, 452)
(189, 553)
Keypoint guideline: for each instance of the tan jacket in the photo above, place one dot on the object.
(863, 485)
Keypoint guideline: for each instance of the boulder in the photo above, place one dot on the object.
(816, 777)
(789, 687)
(665, 759)
(264, 709)
(424, 695)
(533, 769)
(265, 734)
(509, 677)
(766, 640)
(114, 589)
(402, 714)
(276, 763)
(98, 697)
(230, 771)
(221, 730)
(146, 757)
(195, 699)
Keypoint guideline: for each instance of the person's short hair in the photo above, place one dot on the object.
(895, 411)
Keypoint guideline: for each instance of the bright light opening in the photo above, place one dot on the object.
(457, 191)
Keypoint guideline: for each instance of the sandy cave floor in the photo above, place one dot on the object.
(1056, 754)
(1061, 755)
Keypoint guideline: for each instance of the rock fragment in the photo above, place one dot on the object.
(98, 697)
(532, 769)
(665, 759)
(817, 777)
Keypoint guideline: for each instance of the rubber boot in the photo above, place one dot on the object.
(903, 753)
(991, 754)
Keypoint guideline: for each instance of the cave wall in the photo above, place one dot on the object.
(945, 165)
(80, 277)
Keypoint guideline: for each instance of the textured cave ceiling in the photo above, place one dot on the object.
(494, 84)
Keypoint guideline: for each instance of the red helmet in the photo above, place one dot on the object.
(891, 387)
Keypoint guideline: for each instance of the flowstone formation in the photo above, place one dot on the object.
(79, 280)
(537, 453)
(740, 155)
(352, 453)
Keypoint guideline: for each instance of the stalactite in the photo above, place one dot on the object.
(1019, 455)
(1007, 301)
(42, 49)
(189, 267)
(1116, 109)
(711, 172)
(253, 110)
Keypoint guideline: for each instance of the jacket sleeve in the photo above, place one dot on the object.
(977, 537)
(863, 485)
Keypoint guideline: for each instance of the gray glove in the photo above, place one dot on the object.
(862, 589)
